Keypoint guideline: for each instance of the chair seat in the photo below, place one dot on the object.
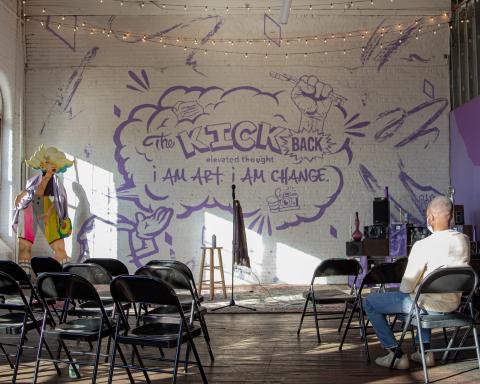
(447, 320)
(164, 334)
(168, 311)
(11, 323)
(329, 296)
(86, 327)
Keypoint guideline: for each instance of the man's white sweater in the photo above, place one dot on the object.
(441, 249)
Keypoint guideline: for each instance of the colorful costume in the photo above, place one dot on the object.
(30, 210)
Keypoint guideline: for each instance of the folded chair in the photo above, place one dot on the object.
(179, 281)
(149, 290)
(329, 268)
(70, 288)
(379, 275)
(17, 318)
(442, 281)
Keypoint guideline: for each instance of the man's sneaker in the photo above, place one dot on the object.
(400, 363)
(429, 358)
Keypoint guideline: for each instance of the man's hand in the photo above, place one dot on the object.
(311, 96)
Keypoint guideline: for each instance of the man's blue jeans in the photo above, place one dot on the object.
(377, 305)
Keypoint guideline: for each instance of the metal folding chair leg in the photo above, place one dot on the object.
(303, 316)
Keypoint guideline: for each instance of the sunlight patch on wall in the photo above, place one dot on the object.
(295, 266)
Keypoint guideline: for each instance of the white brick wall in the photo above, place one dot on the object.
(11, 93)
(77, 92)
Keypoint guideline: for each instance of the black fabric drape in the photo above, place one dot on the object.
(240, 247)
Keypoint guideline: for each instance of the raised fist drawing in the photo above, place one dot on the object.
(312, 97)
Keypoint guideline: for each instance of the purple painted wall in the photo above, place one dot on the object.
(465, 158)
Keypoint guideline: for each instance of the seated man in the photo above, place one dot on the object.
(444, 248)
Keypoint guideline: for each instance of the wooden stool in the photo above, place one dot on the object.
(212, 268)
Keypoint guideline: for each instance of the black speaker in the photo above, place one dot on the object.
(378, 231)
(381, 211)
(354, 248)
(474, 250)
(417, 233)
(458, 214)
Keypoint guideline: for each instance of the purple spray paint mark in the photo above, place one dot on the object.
(384, 56)
(333, 231)
(395, 119)
(67, 36)
(416, 57)
(63, 101)
(168, 239)
(372, 44)
(116, 111)
(144, 84)
(429, 89)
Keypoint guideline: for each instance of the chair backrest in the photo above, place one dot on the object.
(385, 273)
(15, 271)
(9, 285)
(337, 267)
(449, 280)
(174, 264)
(173, 277)
(113, 266)
(42, 264)
(94, 273)
(66, 285)
(143, 289)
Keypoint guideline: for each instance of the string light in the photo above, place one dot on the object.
(191, 43)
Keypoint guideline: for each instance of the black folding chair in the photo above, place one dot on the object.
(149, 290)
(329, 268)
(17, 318)
(70, 288)
(380, 275)
(179, 281)
(181, 267)
(97, 276)
(442, 281)
(113, 266)
(475, 264)
(42, 264)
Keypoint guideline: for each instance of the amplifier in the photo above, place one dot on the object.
(379, 231)
(458, 214)
(474, 248)
(354, 248)
(417, 233)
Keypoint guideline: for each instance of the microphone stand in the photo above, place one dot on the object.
(232, 300)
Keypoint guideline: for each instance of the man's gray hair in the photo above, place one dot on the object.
(440, 205)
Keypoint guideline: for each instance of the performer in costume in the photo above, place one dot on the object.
(43, 204)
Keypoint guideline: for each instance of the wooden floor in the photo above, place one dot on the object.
(264, 348)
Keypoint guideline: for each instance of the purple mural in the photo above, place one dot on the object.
(187, 127)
